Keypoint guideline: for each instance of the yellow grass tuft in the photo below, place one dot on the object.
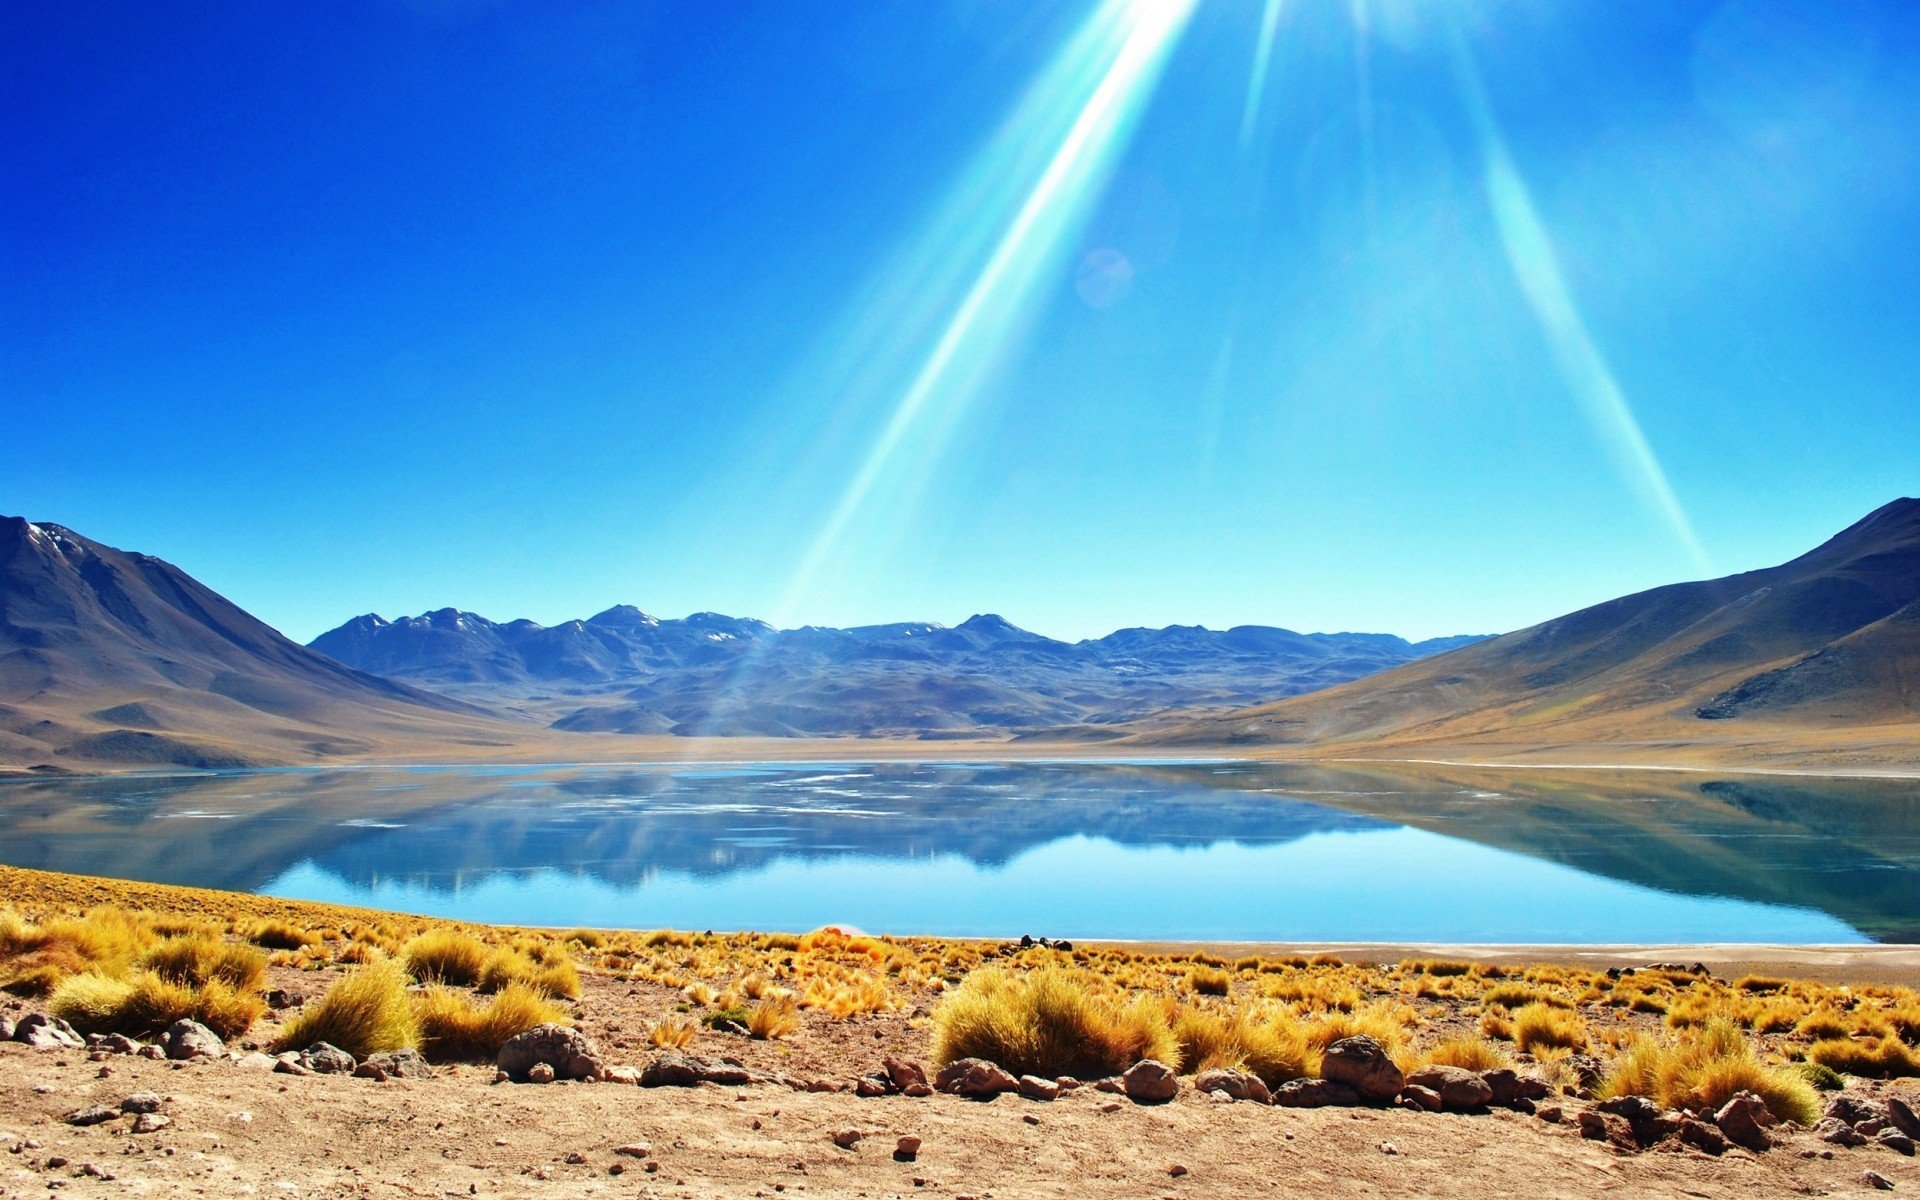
(1704, 1069)
(148, 1003)
(1050, 1022)
(773, 1017)
(364, 1013)
(454, 1025)
(1470, 1053)
(672, 1033)
(1539, 1026)
(1873, 1058)
(200, 958)
(1208, 981)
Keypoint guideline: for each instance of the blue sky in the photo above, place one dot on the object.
(1468, 313)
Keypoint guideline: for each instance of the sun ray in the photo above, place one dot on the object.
(1262, 66)
(1536, 267)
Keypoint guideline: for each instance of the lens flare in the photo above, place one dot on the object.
(1536, 267)
(1262, 67)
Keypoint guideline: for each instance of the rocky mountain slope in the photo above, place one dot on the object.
(1825, 643)
(110, 657)
(627, 672)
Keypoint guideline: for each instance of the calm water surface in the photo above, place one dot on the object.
(1201, 850)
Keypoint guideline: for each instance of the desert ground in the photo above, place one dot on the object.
(791, 1119)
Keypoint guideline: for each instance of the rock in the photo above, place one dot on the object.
(1240, 1085)
(1876, 1181)
(570, 1053)
(150, 1122)
(1111, 1084)
(1315, 1093)
(92, 1114)
(672, 1069)
(1150, 1081)
(1035, 1088)
(1834, 1131)
(627, 1075)
(974, 1078)
(395, 1064)
(873, 1086)
(1745, 1120)
(1895, 1141)
(281, 998)
(7, 1028)
(1362, 1064)
(1650, 1123)
(117, 1043)
(323, 1058)
(1510, 1088)
(190, 1039)
(907, 1148)
(1605, 1127)
(1855, 1110)
(1550, 1113)
(540, 1072)
(1586, 1068)
(290, 1064)
(1176, 1170)
(1422, 1098)
(43, 1032)
(634, 1149)
(905, 1075)
(1901, 1114)
(724, 1073)
(1460, 1090)
(847, 1139)
(141, 1102)
(1701, 1136)
(151, 1051)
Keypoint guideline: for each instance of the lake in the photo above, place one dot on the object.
(1207, 850)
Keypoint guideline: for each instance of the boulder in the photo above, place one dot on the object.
(190, 1039)
(141, 1102)
(323, 1058)
(570, 1053)
(1895, 1141)
(1901, 1114)
(1605, 1127)
(672, 1069)
(1417, 1097)
(906, 1076)
(394, 1064)
(907, 1148)
(7, 1027)
(115, 1043)
(92, 1114)
(1460, 1090)
(974, 1078)
(1315, 1093)
(1510, 1087)
(1150, 1081)
(1836, 1132)
(540, 1072)
(1035, 1088)
(1701, 1136)
(1241, 1085)
(1362, 1064)
(1856, 1110)
(1745, 1120)
(151, 1122)
(43, 1032)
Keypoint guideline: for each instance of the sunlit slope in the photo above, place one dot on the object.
(1827, 644)
(114, 658)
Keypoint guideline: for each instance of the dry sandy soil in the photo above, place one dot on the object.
(239, 1130)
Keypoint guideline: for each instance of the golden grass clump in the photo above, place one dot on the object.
(1704, 1069)
(446, 956)
(1874, 1058)
(672, 1033)
(1470, 1053)
(454, 1025)
(1272, 1046)
(1540, 1026)
(1203, 980)
(200, 958)
(773, 1017)
(1049, 1022)
(552, 973)
(282, 935)
(364, 1012)
(36, 957)
(148, 1003)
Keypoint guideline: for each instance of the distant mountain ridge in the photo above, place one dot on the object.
(626, 671)
(1829, 641)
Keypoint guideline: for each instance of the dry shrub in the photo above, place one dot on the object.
(363, 1013)
(1540, 1026)
(36, 958)
(1470, 1053)
(1203, 980)
(1050, 1022)
(1760, 985)
(200, 958)
(148, 1003)
(1435, 966)
(553, 974)
(1704, 1069)
(1497, 1027)
(454, 1025)
(1386, 1024)
(446, 956)
(1823, 1025)
(1272, 1046)
(773, 1017)
(672, 1033)
(282, 935)
(1874, 1058)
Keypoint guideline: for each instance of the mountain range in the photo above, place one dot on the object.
(1824, 647)
(111, 659)
(624, 671)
